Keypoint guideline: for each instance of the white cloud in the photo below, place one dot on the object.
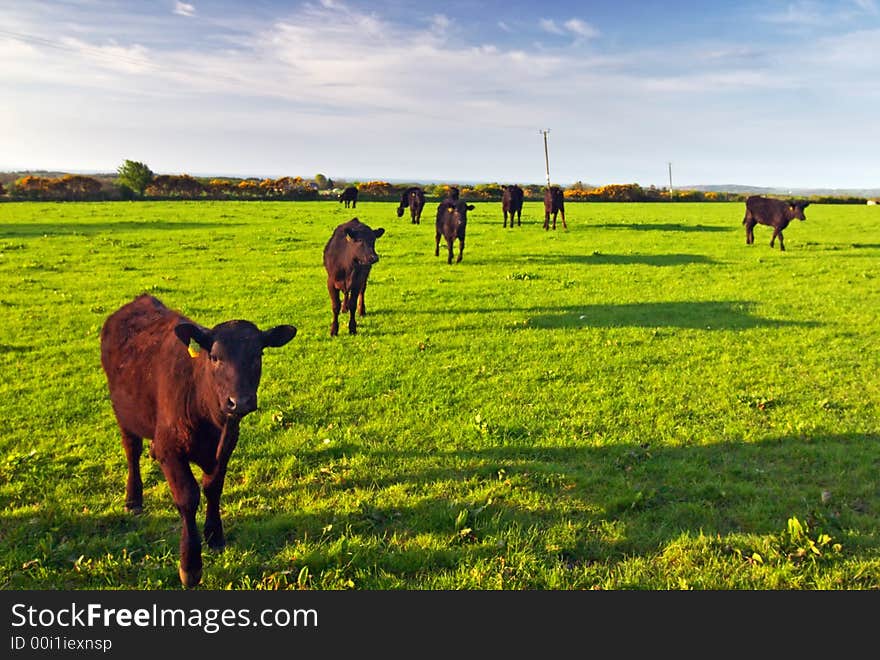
(581, 28)
(869, 6)
(184, 9)
(804, 13)
(549, 25)
(440, 22)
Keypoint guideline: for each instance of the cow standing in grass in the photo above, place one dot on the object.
(774, 213)
(413, 198)
(512, 203)
(189, 403)
(348, 258)
(451, 224)
(349, 196)
(554, 202)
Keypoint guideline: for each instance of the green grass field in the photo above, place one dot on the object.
(640, 402)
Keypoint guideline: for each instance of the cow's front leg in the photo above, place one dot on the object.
(352, 322)
(185, 492)
(461, 248)
(781, 244)
(437, 245)
(773, 237)
(212, 485)
(134, 487)
(335, 305)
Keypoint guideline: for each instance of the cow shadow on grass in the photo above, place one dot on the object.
(33, 229)
(477, 503)
(702, 315)
(697, 315)
(600, 259)
(663, 226)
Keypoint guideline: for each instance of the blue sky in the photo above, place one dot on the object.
(760, 93)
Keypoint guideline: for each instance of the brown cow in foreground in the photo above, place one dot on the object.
(413, 198)
(189, 404)
(348, 258)
(554, 202)
(451, 224)
(772, 212)
(512, 203)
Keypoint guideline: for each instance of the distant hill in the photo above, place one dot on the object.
(798, 192)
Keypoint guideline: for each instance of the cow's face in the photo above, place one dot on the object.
(400, 211)
(361, 243)
(233, 352)
(796, 209)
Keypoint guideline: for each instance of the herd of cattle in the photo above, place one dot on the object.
(187, 387)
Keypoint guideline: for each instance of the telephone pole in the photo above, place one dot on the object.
(545, 131)
(670, 180)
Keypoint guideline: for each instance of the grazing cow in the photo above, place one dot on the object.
(348, 257)
(451, 224)
(775, 213)
(554, 202)
(414, 199)
(512, 203)
(190, 407)
(350, 197)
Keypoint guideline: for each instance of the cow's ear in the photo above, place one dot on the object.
(378, 232)
(279, 335)
(470, 207)
(805, 205)
(187, 332)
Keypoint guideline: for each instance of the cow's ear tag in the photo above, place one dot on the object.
(348, 237)
(449, 209)
(193, 349)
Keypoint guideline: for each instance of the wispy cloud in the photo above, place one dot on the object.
(803, 13)
(549, 25)
(184, 9)
(573, 26)
(581, 28)
(868, 6)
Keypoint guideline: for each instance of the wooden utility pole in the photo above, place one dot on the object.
(670, 180)
(545, 131)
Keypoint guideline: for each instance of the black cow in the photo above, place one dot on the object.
(512, 203)
(348, 258)
(554, 202)
(189, 403)
(349, 196)
(451, 224)
(774, 213)
(413, 198)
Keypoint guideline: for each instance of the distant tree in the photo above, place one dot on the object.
(134, 175)
(321, 180)
(2, 190)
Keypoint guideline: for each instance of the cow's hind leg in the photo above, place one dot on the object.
(134, 487)
(562, 217)
(361, 307)
(461, 247)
